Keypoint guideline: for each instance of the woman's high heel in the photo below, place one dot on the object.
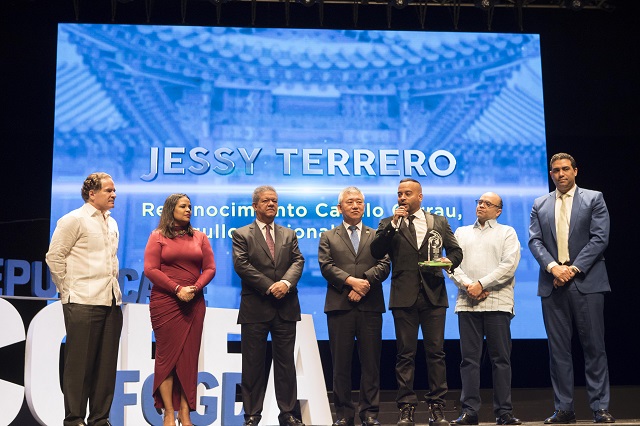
(183, 424)
(164, 415)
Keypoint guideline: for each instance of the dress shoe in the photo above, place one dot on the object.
(370, 421)
(343, 422)
(290, 420)
(561, 417)
(507, 419)
(436, 415)
(406, 415)
(603, 416)
(466, 419)
(251, 421)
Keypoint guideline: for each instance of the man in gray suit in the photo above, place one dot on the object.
(354, 307)
(568, 235)
(268, 261)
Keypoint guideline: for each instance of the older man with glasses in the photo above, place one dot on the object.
(485, 306)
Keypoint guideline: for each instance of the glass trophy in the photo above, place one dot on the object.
(434, 247)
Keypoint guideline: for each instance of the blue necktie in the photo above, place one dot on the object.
(355, 240)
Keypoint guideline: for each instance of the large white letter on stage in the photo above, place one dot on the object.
(42, 365)
(224, 369)
(219, 370)
(136, 358)
(12, 332)
(312, 390)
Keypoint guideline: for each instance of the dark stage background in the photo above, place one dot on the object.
(591, 96)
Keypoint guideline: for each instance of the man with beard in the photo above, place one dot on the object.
(418, 296)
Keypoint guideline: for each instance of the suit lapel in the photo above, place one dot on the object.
(344, 235)
(365, 236)
(404, 230)
(278, 241)
(430, 226)
(550, 214)
(575, 210)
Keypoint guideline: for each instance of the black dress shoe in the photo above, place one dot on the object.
(370, 421)
(466, 419)
(603, 416)
(436, 415)
(343, 422)
(251, 421)
(406, 415)
(290, 420)
(561, 417)
(507, 419)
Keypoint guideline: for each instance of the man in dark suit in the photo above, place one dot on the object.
(354, 307)
(268, 261)
(568, 235)
(418, 295)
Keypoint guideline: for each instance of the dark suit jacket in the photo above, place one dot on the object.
(406, 277)
(588, 238)
(338, 261)
(258, 271)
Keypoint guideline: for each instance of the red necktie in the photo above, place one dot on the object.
(270, 243)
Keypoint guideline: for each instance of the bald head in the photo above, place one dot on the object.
(489, 207)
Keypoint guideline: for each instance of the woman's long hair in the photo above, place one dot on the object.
(167, 225)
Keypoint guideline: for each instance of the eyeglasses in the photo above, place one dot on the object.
(488, 204)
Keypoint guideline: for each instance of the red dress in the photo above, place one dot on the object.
(185, 261)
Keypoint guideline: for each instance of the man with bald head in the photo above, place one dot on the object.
(418, 297)
(485, 281)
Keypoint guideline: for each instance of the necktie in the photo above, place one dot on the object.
(355, 240)
(563, 230)
(412, 229)
(270, 243)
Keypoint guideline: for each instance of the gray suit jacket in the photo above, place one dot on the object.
(338, 261)
(258, 271)
(588, 238)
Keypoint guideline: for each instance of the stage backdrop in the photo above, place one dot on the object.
(216, 112)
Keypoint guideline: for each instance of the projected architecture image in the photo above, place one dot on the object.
(216, 112)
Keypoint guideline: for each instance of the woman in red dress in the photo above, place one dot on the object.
(179, 262)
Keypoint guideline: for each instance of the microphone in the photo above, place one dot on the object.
(401, 219)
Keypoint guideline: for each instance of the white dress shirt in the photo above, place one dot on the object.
(263, 229)
(419, 223)
(82, 257)
(358, 230)
(490, 255)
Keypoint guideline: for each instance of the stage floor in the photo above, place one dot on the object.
(531, 406)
